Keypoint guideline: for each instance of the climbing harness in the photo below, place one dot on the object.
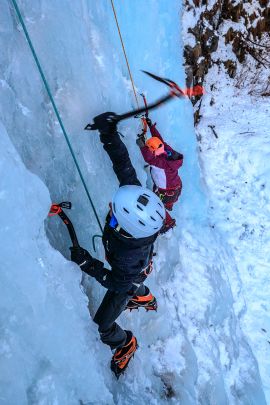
(168, 196)
(54, 107)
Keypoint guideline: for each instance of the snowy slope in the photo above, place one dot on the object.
(236, 168)
(234, 155)
(234, 145)
(192, 350)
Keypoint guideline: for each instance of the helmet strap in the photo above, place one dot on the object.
(113, 222)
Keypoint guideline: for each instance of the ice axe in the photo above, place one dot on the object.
(175, 91)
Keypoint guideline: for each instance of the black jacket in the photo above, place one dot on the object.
(129, 257)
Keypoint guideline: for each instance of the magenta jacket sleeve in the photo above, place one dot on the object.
(176, 164)
(154, 132)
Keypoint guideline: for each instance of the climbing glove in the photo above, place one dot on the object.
(106, 122)
(82, 257)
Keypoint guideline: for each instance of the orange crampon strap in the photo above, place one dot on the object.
(54, 210)
(143, 298)
(122, 356)
(147, 302)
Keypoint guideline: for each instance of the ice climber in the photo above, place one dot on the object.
(164, 165)
(132, 226)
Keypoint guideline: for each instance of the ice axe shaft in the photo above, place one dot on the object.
(145, 104)
(175, 92)
(150, 107)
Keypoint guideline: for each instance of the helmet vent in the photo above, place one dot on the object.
(141, 222)
(140, 208)
(160, 205)
(143, 200)
(159, 215)
(125, 210)
(153, 218)
(114, 207)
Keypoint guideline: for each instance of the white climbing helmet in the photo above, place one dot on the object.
(138, 211)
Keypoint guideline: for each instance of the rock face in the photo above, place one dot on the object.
(241, 26)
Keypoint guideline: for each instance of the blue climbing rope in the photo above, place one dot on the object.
(54, 106)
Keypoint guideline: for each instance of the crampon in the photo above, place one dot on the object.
(147, 302)
(122, 356)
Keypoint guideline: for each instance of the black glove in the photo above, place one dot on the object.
(175, 156)
(149, 122)
(140, 141)
(106, 122)
(82, 257)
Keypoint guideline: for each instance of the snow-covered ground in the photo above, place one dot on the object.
(233, 136)
(236, 171)
(193, 349)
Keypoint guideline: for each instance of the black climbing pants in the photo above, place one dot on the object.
(112, 305)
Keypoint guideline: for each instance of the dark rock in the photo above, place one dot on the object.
(231, 68)
(209, 41)
(239, 48)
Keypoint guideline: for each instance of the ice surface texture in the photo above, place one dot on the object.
(192, 350)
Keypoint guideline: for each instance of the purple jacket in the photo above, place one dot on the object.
(164, 168)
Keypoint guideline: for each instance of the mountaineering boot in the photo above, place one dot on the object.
(147, 301)
(122, 356)
(167, 226)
